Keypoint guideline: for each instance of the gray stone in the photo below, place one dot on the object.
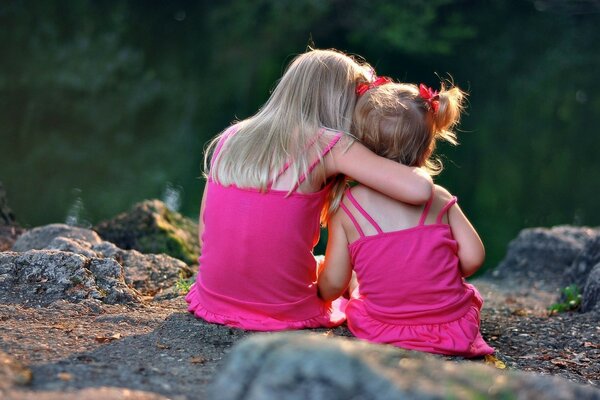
(148, 273)
(41, 237)
(591, 292)
(42, 276)
(581, 267)
(309, 366)
(540, 257)
(151, 227)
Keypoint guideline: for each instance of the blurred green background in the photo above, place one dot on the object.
(106, 103)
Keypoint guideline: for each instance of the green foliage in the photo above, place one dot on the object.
(183, 284)
(571, 300)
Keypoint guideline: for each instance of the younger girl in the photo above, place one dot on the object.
(268, 181)
(409, 260)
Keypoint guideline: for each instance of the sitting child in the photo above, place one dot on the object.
(409, 260)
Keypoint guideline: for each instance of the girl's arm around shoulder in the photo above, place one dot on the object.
(471, 252)
(408, 184)
(336, 272)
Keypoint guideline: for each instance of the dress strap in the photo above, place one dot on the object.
(445, 209)
(356, 225)
(316, 162)
(226, 135)
(362, 211)
(426, 210)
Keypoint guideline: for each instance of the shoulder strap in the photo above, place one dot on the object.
(349, 214)
(426, 210)
(362, 211)
(445, 209)
(316, 162)
(226, 135)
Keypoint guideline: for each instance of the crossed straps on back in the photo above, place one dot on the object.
(375, 225)
(232, 130)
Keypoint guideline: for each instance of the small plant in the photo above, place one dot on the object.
(183, 285)
(571, 300)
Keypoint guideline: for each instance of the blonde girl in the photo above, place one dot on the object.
(268, 180)
(409, 260)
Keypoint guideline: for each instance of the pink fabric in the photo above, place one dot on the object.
(411, 293)
(257, 270)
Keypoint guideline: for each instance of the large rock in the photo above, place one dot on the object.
(540, 257)
(39, 238)
(591, 291)
(150, 227)
(587, 259)
(39, 277)
(309, 366)
(148, 273)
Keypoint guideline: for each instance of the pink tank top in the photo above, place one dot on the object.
(410, 276)
(257, 269)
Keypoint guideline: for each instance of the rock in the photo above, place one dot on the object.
(12, 372)
(540, 257)
(41, 237)
(309, 366)
(42, 276)
(150, 227)
(586, 260)
(591, 291)
(148, 273)
(6, 215)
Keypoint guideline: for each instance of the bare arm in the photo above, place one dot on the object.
(337, 270)
(407, 184)
(471, 252)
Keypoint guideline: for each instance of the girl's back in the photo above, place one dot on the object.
(406, 260)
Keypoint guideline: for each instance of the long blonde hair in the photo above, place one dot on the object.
(396, 122)
(316, 91)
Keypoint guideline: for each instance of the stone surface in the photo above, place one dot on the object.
(591, 291)
(148, 273)
(41, 237)
(150, 227)
(308, 366)
(581, 267)
(39, 277)
(540, 257)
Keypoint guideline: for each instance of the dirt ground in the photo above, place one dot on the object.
(161, 349)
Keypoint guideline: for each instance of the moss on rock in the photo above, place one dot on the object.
(150, 227)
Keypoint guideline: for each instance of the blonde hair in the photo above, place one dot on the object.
(395, 122)
(316, 91)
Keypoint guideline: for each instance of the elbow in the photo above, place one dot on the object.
(469, 264)
(422, 192)
(330, 292)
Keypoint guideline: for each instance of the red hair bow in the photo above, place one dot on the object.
(363, 87)
(430, 96)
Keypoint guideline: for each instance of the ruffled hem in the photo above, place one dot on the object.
(248, 320)
(460, 337)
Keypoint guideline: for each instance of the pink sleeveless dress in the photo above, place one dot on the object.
(411, 292)
(257, 270)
